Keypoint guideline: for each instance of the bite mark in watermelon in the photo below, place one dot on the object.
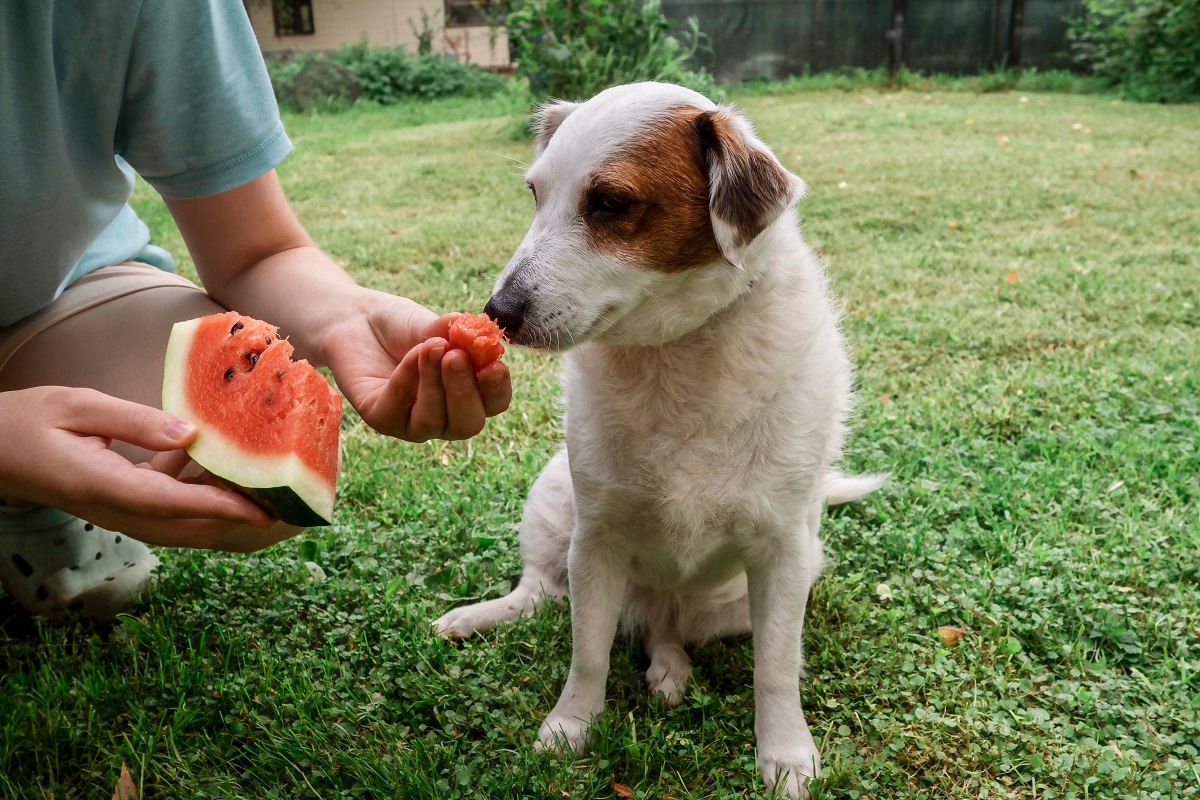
(480, 336)
(267, 425)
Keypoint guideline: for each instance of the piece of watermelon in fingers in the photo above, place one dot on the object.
(267, 425)
(480, 336)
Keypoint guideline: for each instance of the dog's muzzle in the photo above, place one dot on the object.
(508, 310)
(509, 302)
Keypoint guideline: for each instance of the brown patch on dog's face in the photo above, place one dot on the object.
(650, 205)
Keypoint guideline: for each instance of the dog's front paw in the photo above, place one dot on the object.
(563, 734)
(791, 771)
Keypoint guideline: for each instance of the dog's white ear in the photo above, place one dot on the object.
(546, 120)
(747, 186)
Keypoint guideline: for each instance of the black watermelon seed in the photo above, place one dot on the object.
(23, 566)
(237, 326)
(252, 358)
(268, 339)
(229, 374)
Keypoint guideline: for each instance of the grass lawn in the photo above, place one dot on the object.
(1020, 284)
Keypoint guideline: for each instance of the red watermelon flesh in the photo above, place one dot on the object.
(480, 336)
(267, 424)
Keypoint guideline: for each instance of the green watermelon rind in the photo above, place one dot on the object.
(283, 485)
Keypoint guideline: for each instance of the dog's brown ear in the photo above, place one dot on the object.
(747, 186)
(546, 120)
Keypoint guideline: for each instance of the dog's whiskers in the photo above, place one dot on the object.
(510, 158)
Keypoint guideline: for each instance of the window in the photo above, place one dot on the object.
(292, 17)
(469, 13)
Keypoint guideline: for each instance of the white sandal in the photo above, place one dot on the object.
(51, 562)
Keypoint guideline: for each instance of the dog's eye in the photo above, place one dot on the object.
(609, 204)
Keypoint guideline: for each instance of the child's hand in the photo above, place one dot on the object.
(56, 453)
(397, 369)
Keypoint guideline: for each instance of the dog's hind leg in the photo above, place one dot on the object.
(670, 622)
(655, 616)
(546, 525)
(670, 667)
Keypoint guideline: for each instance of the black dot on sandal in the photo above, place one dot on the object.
(98, 556)
(22, 565)
(109, 578)
(89, 527)
(118, 539)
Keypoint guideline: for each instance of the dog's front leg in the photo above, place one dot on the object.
(598, 575)
(779, 582)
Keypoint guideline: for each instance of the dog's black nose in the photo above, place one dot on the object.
(507, 310)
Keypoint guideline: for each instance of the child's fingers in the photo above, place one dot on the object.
(464, 405)
(170, 462)
(96, 414)
(427, 417)
(389, 407)
(496, 387)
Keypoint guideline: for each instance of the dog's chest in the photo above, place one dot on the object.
(689, 464)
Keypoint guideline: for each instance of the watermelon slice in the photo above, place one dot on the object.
(480, 336)
(268, 426)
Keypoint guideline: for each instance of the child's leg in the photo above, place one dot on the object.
(107, 332)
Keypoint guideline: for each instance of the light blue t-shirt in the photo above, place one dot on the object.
(92, 90)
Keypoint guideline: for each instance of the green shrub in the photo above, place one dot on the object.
(571, 49)
(389, 74)
(1150, 48)
(384, 75)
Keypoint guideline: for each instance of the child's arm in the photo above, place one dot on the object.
(388, 354)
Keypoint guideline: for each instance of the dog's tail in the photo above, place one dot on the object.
(841, 488)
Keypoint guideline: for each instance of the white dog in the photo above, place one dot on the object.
(706, 385)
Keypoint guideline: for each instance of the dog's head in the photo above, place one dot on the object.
(647, 198)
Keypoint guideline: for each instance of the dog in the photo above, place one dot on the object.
(706, 385)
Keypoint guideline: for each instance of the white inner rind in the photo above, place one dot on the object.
(219, 454)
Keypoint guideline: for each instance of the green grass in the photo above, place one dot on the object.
(1024, 315)
(852, 79)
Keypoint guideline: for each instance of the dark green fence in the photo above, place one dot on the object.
(777, 38)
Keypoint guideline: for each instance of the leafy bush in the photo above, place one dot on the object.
(384, 75)
(390, 74)
(1151, 48)
(572, 49)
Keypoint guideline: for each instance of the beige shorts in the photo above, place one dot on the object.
(93, 289)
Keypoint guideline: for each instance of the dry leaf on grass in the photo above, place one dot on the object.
(622, 789)
(949, 634)
(1011, 277)
(126, 788)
